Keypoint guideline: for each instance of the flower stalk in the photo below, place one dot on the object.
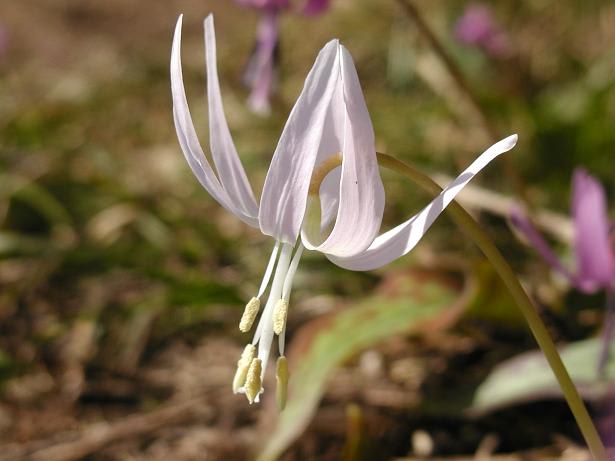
(474, 231)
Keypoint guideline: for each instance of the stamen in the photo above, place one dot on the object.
(264, 332)
(243, 365)
(282, 341)
(253, 380)
(269, 269)
(292, 270)
(279, 316)
(288, 284)
(249, 315)
(281, 376)
(254, 305)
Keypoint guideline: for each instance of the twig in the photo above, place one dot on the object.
(455, 72)
(451, 66)
(535, 323)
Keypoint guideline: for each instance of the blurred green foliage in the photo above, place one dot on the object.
(101, 217)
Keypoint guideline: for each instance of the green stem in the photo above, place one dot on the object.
(463, 219)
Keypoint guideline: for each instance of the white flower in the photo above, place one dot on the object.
(341, 219)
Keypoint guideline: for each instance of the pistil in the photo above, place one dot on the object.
(288, 285)
(264, 332)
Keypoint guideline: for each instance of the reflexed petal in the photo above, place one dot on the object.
(230, 171)
(522, 223)
(594, 254)
(403, 238)
(286, 186)
(329, 196)
(188, 139)
(361, 196)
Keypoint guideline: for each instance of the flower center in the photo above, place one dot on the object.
(253, 362)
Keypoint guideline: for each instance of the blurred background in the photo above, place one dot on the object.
(122, 281)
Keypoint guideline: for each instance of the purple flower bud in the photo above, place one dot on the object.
(592, 244)
(265, 4)
(259, 74)
(314, 7)
(593, 248)
(477, 27)
(260, 71)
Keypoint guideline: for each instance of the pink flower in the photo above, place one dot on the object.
(594, 255)
(477, 27)
(593, 248)
(341, 219)
(265, 4)
(259, 75)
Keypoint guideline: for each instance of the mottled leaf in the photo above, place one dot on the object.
(527, 377)
(413, 305)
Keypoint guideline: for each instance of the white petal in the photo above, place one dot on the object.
(188, 139)
(403, 238)
(286, 187)
(329, 195)
(361, 196)
(224, 153)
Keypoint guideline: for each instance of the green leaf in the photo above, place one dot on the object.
(527, 377)
(346, 333)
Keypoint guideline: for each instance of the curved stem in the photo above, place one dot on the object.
(463, 219)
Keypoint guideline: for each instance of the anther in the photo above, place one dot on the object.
(281, 376)
(243, 365)
(249, 314)
(253, 380)
(279, 316)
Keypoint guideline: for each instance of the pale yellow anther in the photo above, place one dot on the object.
(279, 316)
(281, 376)
(253, 380)
(243, 364)
(249, 314)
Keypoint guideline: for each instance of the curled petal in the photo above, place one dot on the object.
(230, 170)
(361, 194)
(329, 197)
(284, 196)
(189, 141)
(403, 238)
(594, 254)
